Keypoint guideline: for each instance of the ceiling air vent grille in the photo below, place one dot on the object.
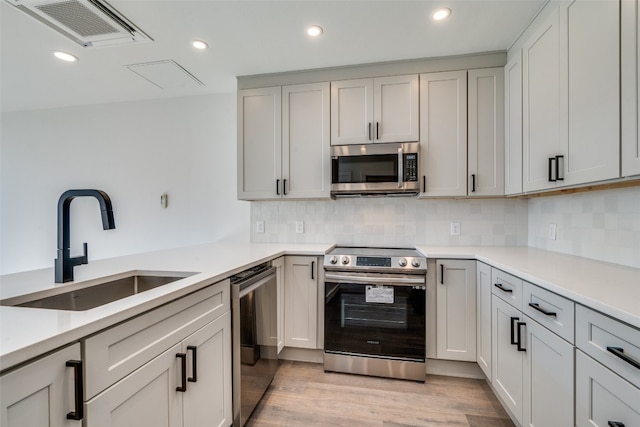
(87, 22)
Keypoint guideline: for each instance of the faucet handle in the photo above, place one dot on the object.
(85, 259)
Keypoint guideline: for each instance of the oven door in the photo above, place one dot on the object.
(379, 315)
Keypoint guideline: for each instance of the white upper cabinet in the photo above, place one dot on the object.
(443, 138)
(630, 15)
(590, 81)
(306, 162)
(513, 124)
(283, 142)
(259, 143)
(383, 109)
(541, 101)
(486, 132)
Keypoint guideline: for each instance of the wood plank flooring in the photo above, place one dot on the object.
(302, 394)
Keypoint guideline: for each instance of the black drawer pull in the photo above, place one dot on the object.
(619, 351)
(78, 414)
(183, 362)
(536, 306)
(442, 274)
(513, 340)
(313, 269)
(615, 424)
(277, 187)
(520, 347)
(194, 363)
(503, 289)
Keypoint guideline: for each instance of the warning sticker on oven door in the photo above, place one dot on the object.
(382, 294)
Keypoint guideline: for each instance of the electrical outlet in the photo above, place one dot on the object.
(164, 200)
(259, 226)
(455, 229)
(299, 227)
(552, 232)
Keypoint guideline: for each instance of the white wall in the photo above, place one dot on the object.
(603, 225)
(133, 151)
(393, 221)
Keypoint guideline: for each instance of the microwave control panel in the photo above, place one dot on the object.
(410, 167)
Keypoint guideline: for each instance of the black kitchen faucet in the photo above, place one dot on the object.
(64, 263)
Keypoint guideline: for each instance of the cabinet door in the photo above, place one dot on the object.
(352, 112)
(483, 312)
(602, 397)
(208, 398)
(300, 302)
(630, 17)
(395, 109)
(146, 398)
(306, 167)
(513, 124)
(443, 139)
(486, 132)
(456, 310)
(40, 394)
(548, 378)
(507, 361)
(541, 100)
(259, 143)
(590, 80)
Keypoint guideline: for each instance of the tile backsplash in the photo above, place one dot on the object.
(393, 221)
(603, 225)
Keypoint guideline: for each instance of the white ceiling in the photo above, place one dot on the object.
(245, 38)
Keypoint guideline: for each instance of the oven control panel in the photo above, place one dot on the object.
(382, 263)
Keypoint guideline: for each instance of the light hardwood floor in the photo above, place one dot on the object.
(302, 394)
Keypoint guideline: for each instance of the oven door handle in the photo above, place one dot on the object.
(397, 281)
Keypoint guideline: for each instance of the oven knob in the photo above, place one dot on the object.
(334, 260)
(415, 263)
(402, 262)
(345, 260)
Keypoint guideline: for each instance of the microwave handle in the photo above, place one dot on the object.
(400, 167)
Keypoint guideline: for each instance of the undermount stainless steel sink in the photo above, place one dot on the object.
(103, 292)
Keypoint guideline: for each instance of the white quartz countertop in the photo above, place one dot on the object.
(26, 333)
(609, 288)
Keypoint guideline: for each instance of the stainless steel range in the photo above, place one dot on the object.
(374, 321)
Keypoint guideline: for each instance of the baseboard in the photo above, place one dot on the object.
(452, 368)
(302, 354)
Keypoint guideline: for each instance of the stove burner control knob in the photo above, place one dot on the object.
(415, 263)
(345, 260)
(333, 260)
(402, 262)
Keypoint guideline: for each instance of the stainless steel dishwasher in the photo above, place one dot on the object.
(254, 325)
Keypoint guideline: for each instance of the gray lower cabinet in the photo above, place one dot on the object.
(41, 393)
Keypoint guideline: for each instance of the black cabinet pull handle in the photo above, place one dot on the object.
(313, 268)
(194, 363)
(536, 306)
(551, 160)
(619, 351)
(442, 274)
(503, 289)
(78, 394)
(558, 177)
(284, 187)
(513, 320)
(369, 131)
(615, 424)
(473, 182)
(520, 348)
(277, 187)
(377, 130)
(183, 362)
(424, 183)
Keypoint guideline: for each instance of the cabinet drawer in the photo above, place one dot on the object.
(507, 287)
(552, 311)
(603, 397)
(118, 351)
(612, 343)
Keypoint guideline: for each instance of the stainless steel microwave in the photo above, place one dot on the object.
(375, 170)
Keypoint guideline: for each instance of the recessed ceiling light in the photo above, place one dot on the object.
(199, 44)
(440, 14)
(314, 30)
(65, 56)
